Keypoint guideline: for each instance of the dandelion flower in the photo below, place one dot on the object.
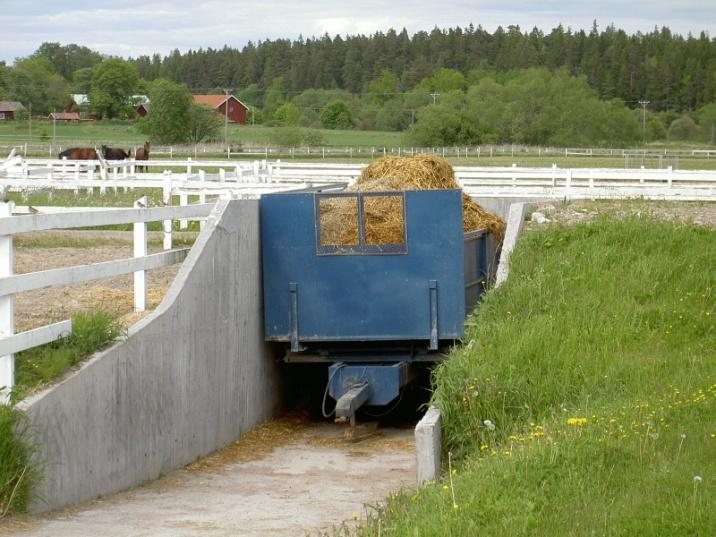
(576, 421)
(489, 425)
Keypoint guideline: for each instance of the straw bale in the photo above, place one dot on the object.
(384, 223)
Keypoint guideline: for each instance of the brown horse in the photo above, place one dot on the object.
(142, 154)
(79, 153)
(114, 153)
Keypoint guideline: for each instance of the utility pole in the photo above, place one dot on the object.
(434, 95)
(643, 120)
(54, 129)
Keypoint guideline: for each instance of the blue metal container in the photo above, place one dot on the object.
(418, 291)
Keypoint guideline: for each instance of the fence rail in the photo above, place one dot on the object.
(12, 223)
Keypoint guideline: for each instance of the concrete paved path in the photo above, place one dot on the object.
(287, 478)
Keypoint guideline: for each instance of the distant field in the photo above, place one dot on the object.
(126, 132)
(337, 143)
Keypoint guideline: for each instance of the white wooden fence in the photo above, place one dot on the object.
(25, 146)
(11, 223)
(254, 178)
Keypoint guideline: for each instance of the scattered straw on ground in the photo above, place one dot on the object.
(384, 214)
(255, 444)
(11, 524)
(376, 441)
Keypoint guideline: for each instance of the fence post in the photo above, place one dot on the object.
(188, 168)
(183, 201)
(554, 174)
(167, 200)
(669, 177)
(568, 185)
(7, 318)
(140, 250)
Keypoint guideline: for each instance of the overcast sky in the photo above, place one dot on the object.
(131, 28)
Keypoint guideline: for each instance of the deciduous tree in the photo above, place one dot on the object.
(169, 118)
(113, 83)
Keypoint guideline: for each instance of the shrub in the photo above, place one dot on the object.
(336, 115)
(684, 128)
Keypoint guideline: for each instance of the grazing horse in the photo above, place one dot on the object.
(142, 154)
(79, 153)
(114, 153)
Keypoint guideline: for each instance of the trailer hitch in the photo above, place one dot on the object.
(351, 401)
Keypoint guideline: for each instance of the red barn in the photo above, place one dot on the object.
(8, 109)
(64, 116)
(237, 109)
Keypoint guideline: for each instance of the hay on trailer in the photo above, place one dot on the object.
(384, 222)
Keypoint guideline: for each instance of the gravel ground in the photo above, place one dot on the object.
(699, 213)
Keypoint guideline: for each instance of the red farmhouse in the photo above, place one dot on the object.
(8, 109)
(237, 109)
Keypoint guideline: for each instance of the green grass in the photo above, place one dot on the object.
(40, 365)
(126, 133)
(260, 134)
(596, 364)
(120, 132)
(18, 475)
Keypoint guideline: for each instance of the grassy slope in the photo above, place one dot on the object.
(596, 363)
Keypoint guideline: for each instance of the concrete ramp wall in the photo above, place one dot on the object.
(190, 378)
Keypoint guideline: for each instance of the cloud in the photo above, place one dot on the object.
(133, 27)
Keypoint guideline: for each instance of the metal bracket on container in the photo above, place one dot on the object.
(293, 317)
(433, 315)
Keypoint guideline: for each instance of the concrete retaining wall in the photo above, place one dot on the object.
(190, 378)
(501, 206)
